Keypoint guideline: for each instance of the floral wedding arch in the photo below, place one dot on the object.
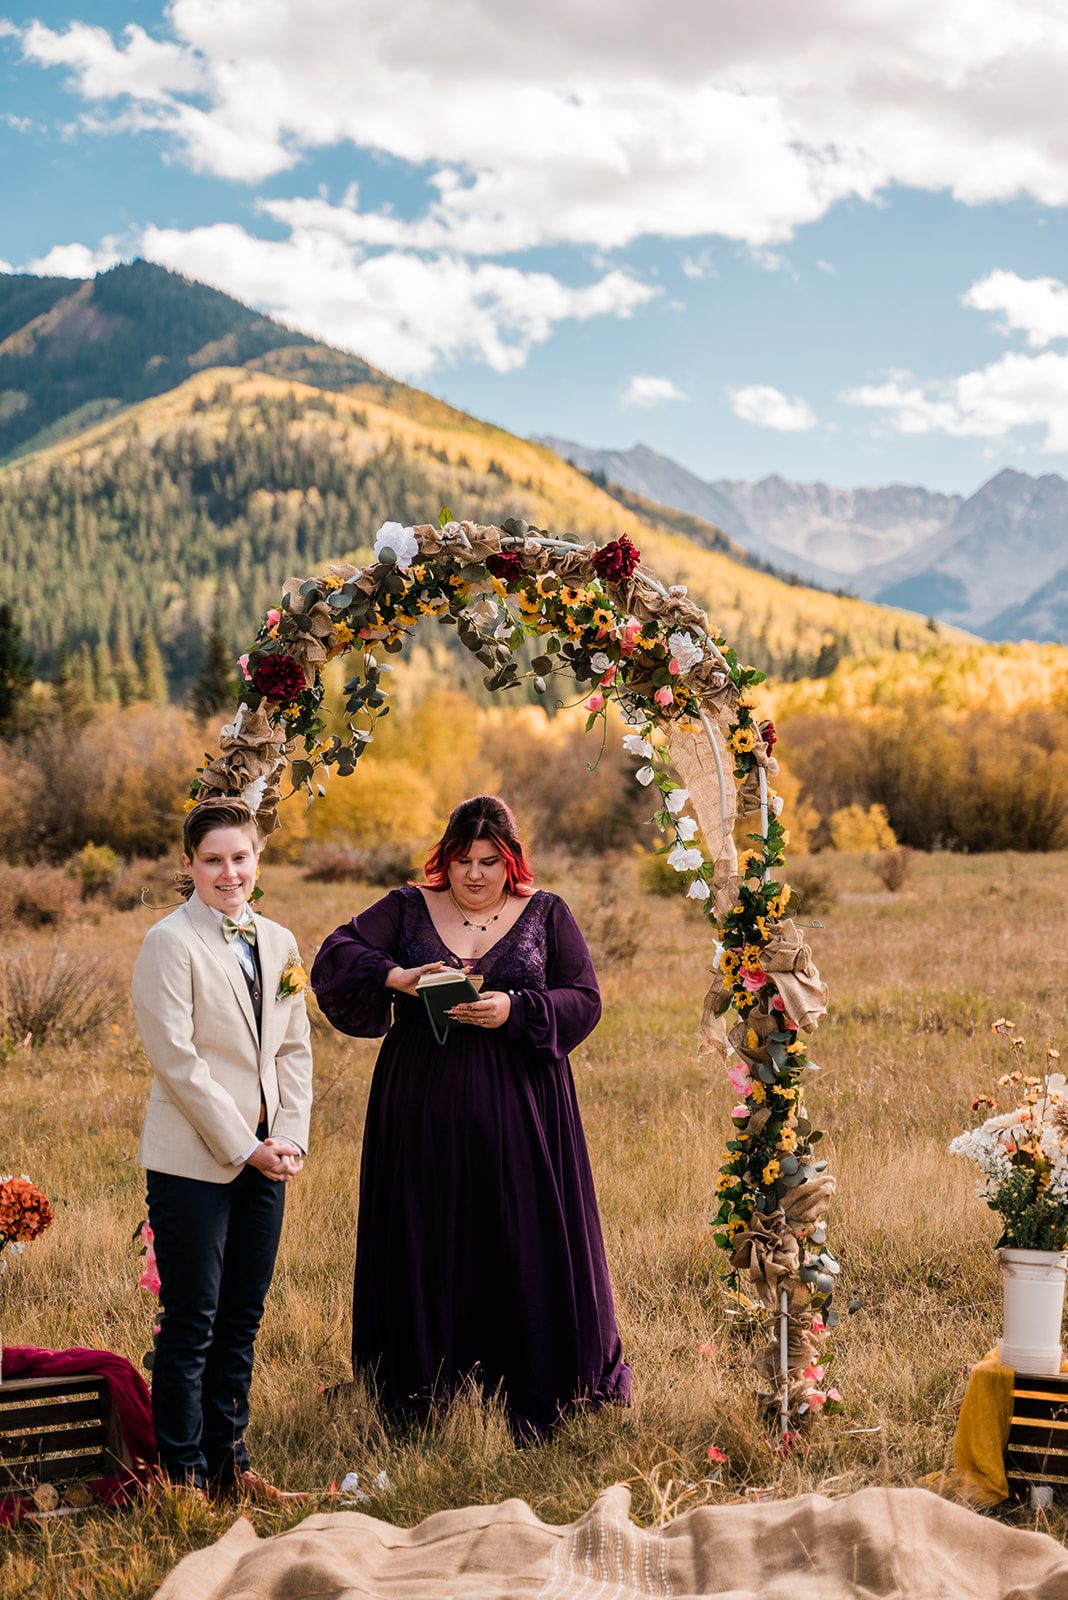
(597, 615)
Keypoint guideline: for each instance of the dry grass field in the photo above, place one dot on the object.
(916, 979)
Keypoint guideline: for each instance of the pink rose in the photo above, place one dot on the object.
(816, 1400)
(716, 1454)
(832, 1394)
(778, 1003)
(741, 1111)
(674, 667)
(242, 662)
(754, 981)
(813, 1374)
(274, 617)
(610, 675)
(149, 1278)
(739, 1080)
(664, 697)
(595, 702)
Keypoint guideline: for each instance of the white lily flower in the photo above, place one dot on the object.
(675, 799)
(698, 890)
(402, 541)
(635, 745)
(686, 828)
(645, 776)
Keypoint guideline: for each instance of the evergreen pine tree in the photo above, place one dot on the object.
(214, 685)
(16, 666)
(127, 677)
(153, 673)
(72, 686)
(83, 673)
(104, 685)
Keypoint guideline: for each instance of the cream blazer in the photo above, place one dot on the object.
(209, 1070)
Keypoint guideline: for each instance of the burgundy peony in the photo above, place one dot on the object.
(617, 560)
(508, 566)
(768, 734)
(279, 678)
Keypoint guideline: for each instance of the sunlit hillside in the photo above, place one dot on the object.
(235, 479)
(963, 676)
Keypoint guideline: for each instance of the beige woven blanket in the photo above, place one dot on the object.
(878, 1544)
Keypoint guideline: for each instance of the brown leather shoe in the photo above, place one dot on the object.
(250, 1486)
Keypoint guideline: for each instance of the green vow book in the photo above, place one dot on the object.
(443, 990)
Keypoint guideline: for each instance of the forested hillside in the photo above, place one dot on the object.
(72, 352)
(230, 483)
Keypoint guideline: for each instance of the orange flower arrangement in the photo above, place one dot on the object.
(24, 1211)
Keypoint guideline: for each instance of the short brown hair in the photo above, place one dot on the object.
(224, 811)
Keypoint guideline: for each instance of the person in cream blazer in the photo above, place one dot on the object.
(218, 1004)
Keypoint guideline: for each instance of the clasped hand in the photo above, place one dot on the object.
(277, 1159)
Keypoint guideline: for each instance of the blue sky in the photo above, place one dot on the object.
(825, 241)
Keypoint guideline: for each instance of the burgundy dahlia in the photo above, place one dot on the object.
(508, 565)
(617, 560)
(768, 734)
(279, 678)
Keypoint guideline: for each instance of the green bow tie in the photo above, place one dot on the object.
(239, 930)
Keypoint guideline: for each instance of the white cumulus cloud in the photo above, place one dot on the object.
(552, 124)
(74, 261)
(647, 391)
(1019, 392)
(768, 407)
(1037, 307)
(405, 312)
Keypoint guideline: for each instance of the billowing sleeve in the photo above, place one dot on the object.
(555, 1019)
(350, 971)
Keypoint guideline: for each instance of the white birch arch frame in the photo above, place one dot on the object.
(599, 616)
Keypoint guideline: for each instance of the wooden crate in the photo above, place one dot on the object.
(1037, 1446)
(57, 1430)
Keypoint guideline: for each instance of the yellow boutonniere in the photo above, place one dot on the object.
(294, 979)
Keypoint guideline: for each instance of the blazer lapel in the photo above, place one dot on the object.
(210, 932)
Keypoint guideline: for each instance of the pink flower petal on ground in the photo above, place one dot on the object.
(706, 1351)
(716, 1455)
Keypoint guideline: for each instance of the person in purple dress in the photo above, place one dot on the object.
(479, 1254)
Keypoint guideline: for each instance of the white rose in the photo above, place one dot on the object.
(698, 890)
(686, 828)
(685, 649)
(675, 799)
(684, 860)
(600, 663)
(482, 611)
(402, 541)
(645, 776)
(635, 745)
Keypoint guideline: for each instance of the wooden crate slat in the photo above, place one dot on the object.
(1025, 1408)
(1039, 1431)
(18, 1419)
(13, 1388)
(30, 1446)
(59, 1469)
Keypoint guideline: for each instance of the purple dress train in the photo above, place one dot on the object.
(478, 1247)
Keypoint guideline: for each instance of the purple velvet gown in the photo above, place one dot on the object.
(478, 1249)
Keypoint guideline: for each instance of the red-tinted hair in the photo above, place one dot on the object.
(484, 817)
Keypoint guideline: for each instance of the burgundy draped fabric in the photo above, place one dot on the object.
(132, 1403)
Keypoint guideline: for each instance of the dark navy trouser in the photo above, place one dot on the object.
(216, 1245)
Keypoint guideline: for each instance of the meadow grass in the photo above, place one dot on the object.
(916, 979)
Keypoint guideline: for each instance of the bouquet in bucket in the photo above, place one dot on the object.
(1022, 1152)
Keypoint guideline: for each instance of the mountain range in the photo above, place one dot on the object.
(170, 453)
(995, 562)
